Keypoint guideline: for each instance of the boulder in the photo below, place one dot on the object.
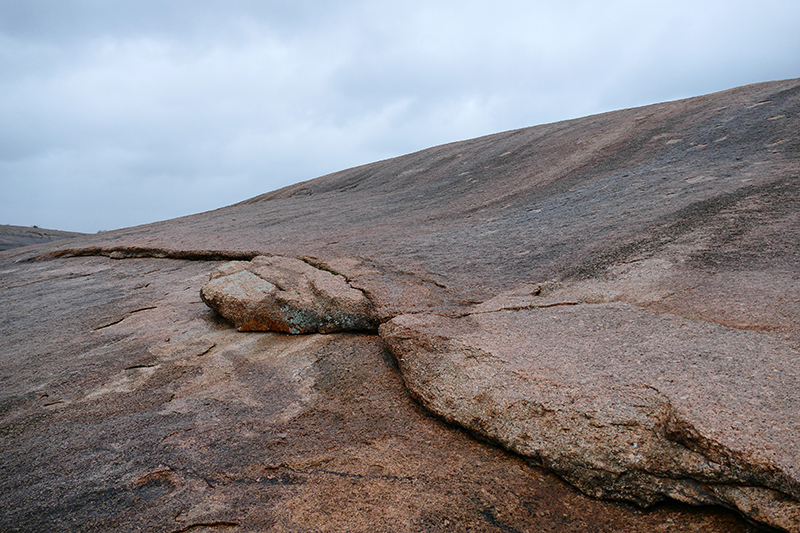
(288, 295)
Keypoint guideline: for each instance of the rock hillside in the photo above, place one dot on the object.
(577, 320)
(16, 236)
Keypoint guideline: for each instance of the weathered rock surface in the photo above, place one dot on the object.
(567, 266)
(621, 402)
(148, 412)
(288, 295)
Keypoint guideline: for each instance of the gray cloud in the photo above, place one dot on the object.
(115, 114)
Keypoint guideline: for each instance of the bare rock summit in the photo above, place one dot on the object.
(612, 302)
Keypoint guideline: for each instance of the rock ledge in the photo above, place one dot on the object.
(621, 402)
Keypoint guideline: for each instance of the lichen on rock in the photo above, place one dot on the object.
(275, 293)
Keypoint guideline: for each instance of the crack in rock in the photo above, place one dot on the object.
(118, 319)
(287, 295)
(207, 525)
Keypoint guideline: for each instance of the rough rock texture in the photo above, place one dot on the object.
(288, 295)
(148, 412)
(621, 402)
(579, 267)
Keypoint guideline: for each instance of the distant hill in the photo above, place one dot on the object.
(16, 236)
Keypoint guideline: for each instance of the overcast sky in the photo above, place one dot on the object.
(118, 113)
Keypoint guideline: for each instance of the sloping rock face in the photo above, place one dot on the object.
(288, 295)
(615, 299)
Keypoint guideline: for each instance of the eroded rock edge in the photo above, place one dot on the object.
(561, 427)
(137, 252)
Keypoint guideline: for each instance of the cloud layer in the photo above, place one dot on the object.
(115, 114)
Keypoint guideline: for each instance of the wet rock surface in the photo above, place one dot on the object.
(288, 295)
(640, 267)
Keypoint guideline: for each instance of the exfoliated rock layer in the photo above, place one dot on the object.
(595, 399)
(614, 299)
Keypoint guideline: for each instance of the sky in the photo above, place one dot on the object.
(117, 113)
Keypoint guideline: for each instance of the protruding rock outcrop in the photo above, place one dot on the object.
(622, 402)
(286, 294)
